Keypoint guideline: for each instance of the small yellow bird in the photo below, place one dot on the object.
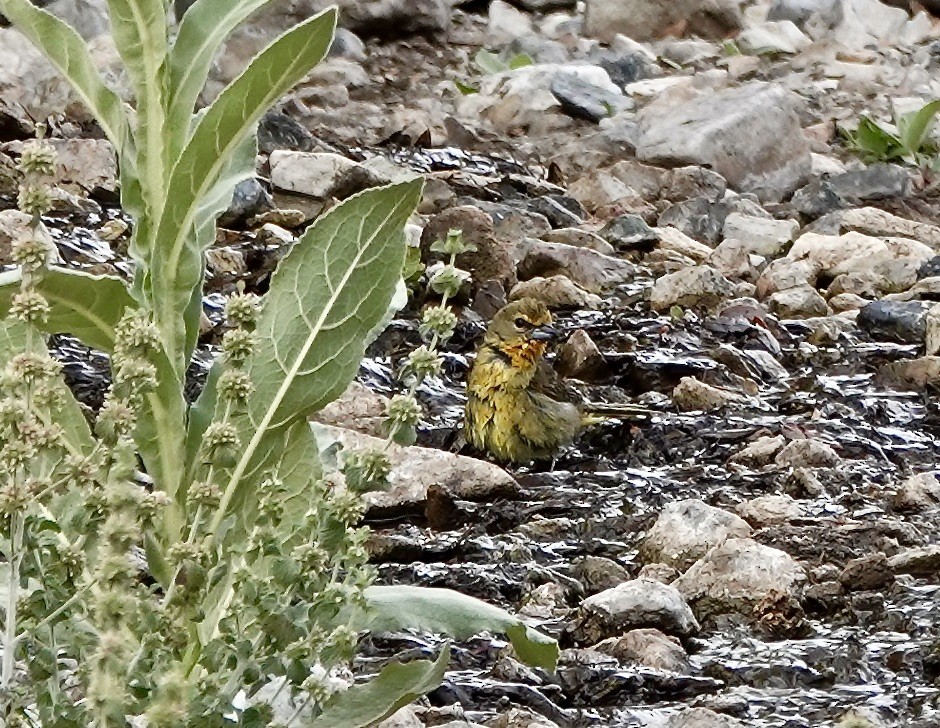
(517, 407)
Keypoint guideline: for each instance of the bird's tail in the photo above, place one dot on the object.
(595, 413)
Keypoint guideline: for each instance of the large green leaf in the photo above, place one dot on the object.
(397, 685)
(174, 259)
(68, 52)
(202, 31)
(448, 612)
(326, 297)
(85, 306)
(139, 28)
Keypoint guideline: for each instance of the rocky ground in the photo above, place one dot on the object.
(674, 180)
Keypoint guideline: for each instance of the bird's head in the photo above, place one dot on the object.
(521, 330)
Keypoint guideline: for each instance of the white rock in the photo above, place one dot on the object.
(785, 273)
(631, 605)
(686, 530)
(701, 286)
(521, 97)
(869, 22)
(701, 718)
(798, 302)
(764, 236)
(773, 37)
(751, 135)
(736, 576)
(506, 23)
(673, 239)
(404, 718)
(309, 173)
(872, 221)
(855, 252)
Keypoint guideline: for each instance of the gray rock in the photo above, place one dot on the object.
(803, 12)
(318, 175)
(511, 223)
(347, 44)
(644, 20)
(560, 210)
(627, 231)
(699, 218)
(593, 271)
(751, 135)
(817, 199)
(701, 286)
(919, 561)
(539, 49)
(634, 604)
(558, 291)
(918, 493)
(686, 530)
(250, 199)
(279, 131)
(876, 182)
(416, 469)
(584, 100)
(690, 395)
(807, 453)
(578, 238)
(737, 577)
(598, 573)
(396, 18)
(904, 321)
(798, 302)
(626, 68)
(544, 6)
(650, 648)
(684, 183)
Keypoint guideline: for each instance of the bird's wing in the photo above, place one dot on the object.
(546, 381)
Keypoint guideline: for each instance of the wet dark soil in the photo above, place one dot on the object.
(878, 648)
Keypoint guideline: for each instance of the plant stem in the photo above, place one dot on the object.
(10, 637)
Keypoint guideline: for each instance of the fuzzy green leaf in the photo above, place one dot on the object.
(202, 31)
(85, 306)
(325, 300)
(175, 257)
(448, 612)
(139, 28)
(69, 53)
(397, 685)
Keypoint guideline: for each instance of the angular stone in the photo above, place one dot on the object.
(903, 321)
(634, 604)
(750, 135)
(686, 530)
(737, 577)
(701, 286)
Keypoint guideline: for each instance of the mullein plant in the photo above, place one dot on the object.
(176, 560)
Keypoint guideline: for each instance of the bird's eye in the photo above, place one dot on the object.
(522, 323)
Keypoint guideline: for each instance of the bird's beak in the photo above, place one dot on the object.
(544, 333)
